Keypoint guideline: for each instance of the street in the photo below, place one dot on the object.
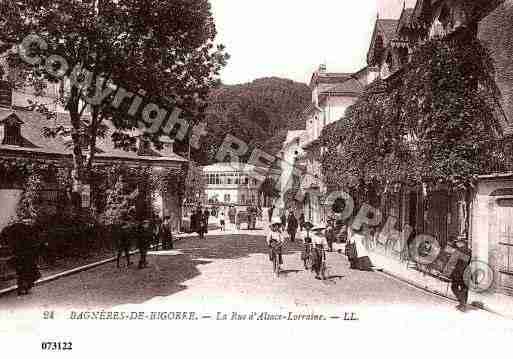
(234, 266)
(228, 276)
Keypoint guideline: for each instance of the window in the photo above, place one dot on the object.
(237, 179)
(242, 199)
(227, 198)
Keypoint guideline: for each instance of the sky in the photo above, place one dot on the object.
(291, 38)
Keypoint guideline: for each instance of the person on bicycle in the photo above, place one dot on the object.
(275, 240)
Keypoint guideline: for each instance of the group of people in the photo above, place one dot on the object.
(22, 237)
(143, 233)
(289, 223)
(199, 221)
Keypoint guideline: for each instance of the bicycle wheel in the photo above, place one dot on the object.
(308, 262)
(323, 271)
(276, 264)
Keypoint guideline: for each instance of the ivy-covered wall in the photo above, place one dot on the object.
(438, 118)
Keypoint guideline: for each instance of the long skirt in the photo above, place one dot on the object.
(27, 271)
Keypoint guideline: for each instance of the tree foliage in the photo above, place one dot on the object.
(437, 118)
(259, 113)
(161, 50)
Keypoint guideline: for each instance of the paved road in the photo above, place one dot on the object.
(234, 271)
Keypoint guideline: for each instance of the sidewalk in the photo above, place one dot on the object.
(412, 276)
(74, 266)
(496, 303)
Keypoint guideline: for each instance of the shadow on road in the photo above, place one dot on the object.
(232, 246)
(107, 286)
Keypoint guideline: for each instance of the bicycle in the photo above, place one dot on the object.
(306, 255)
(275, 254)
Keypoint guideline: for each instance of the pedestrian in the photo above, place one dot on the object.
(166, 234)
(200, 223)
(206, 217)
(302, 221)
(458, 285)
(144, 236)
(193, 220)
(121, 234)
(360, 255)
(330, 234)
(270, 213)
(222, 222)
(292, 226)
(232, 213)
(21, 237)
(275, 240)
(283, 219)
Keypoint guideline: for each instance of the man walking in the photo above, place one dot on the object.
(458, 285)
(121, 236)
(144, 236)
(166, 234)
(330, 234)
(270, 213)
(302, 221)
(205, 218)
(292, 226)
(283, 219)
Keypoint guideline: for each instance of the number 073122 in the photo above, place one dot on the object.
(56, 346)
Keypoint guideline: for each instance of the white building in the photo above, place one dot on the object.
(332, 94)
(235, 183)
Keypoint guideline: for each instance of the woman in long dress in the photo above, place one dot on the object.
(361, 259)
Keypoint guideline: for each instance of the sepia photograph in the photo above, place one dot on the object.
(238, 178)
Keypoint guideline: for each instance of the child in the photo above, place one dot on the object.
(276, 239)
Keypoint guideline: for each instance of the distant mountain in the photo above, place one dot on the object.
(497, 31)
(259, 113)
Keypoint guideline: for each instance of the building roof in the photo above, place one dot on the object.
(388, 28)
(350, 86)
(405, 20)
(319, 78)
(34, 142)
(235, 167)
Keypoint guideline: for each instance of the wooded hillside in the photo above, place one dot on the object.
(259, 113)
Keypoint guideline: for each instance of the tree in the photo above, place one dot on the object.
(112, 56)
(269, 188)
(195, 183)
(120, 204)
(438, 119)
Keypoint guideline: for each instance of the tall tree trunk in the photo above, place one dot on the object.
(78, 158)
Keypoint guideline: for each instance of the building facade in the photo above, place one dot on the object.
(332, 94)
(481, 218)
(22, 140)
(236, 183)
